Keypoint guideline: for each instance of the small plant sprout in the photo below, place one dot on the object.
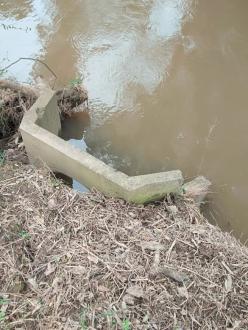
(75, 82)
(126, 325)
(2, 157)
(56, 182)
(3, 301)
(2, 316)
(83, 321)
(24, 234)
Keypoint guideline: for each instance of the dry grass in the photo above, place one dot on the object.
(13, 105)
(89, 262)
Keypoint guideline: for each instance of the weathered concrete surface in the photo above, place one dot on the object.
(45, 112)
(39, 130)
(145, 188)
(197, 189)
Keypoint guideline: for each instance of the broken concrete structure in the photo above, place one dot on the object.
(40, 128)
(197, 189)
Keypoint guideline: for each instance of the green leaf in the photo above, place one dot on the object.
(126, 325)
(4, 301)
(83, 321)
(2, 316)
(24, 234)
(2, 157)
(75, 82)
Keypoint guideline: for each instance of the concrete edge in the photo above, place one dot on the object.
(44, 145)
(197, 189)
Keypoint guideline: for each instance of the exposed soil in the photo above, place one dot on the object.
(71, 261)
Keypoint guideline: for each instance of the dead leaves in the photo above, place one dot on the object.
(151, 245)
(228, 283)
(171, 273)
(135, 291)
(133, 295)
(50, 269)
(92, 255)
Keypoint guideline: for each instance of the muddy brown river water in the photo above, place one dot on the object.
(167, 83)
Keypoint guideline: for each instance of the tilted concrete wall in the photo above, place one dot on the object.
(40, 127)
(45, 113)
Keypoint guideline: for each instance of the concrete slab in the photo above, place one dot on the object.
(197, 189)
(39, 129)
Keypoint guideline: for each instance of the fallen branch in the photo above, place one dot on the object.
(34, 60)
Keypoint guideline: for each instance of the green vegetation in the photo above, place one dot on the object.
(2, 316)
(3, 301)
(75, 82)
(2, 157)
(56, 183)
(126, 325)
(83, 321)
(24, 234)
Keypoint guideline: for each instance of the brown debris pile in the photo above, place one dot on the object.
(69, 99)
(15, 99)
(71, 261)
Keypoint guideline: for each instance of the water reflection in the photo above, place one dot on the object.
(24, 30)
(115, 77)
(73, 130)
(165, 20)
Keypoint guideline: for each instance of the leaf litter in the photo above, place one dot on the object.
(91, 262)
